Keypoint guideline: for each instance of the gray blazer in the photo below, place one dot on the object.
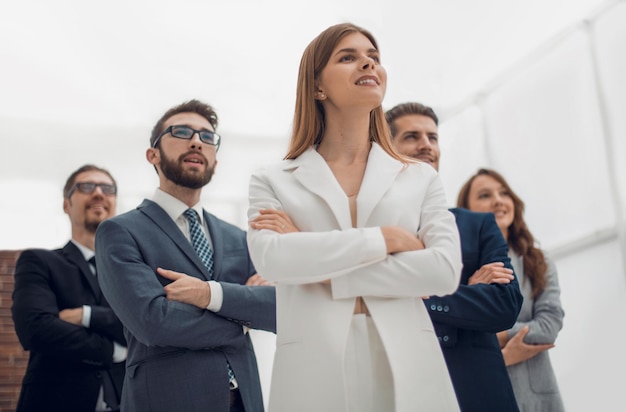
(177, 352)
(534, 382)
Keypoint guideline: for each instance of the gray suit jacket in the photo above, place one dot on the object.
(177, 352)
(534, 382)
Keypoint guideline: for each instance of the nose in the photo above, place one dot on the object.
(497, 199)
(369, 63)
(195, 141)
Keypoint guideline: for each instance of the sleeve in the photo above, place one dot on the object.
(36, 318)
(136, 295)
(356, 260)
(548, 313)
(483, 307)
(336, 252)
(435, 270)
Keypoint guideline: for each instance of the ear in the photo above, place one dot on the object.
(320, 95)
(66, 205)
(153, 155)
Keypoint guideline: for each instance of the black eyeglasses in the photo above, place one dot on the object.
(89, 187)
(186, 132)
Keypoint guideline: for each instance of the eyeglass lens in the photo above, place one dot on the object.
(185, 132)
(89, 187)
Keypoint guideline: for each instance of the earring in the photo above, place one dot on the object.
(321, 95)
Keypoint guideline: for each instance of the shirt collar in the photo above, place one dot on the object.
(174, 207)
(87, 253)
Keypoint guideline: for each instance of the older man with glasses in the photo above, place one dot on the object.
(76, 343)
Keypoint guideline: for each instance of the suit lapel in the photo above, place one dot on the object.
(74, 255)
(315, 175)
(171, 230)
(218, 246)
(380, 173)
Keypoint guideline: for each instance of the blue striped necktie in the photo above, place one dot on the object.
(199, 240)
(203, 249)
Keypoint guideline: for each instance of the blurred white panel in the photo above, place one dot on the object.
(589, 359)
(463, 150)
(544, 130)
(237, 159)
(32, 214)
(609, 40)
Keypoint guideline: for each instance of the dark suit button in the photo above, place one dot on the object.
(439, 308)
(439, 337)
(446, 308)
(433, 307)
(446, 338)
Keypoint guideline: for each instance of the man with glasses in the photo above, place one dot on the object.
(77, 347)
(182, 282)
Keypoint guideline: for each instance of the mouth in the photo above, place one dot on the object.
(424, 158)
(194, 160)
(98, 207)
(367, 81)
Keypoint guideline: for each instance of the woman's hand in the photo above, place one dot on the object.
(398, 239)
(275, 220)
(516, 351)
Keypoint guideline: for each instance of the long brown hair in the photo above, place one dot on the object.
(519, 237)
(308, 119)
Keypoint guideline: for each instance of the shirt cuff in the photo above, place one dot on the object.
(86, 321)
(119, 352)
(217, 296)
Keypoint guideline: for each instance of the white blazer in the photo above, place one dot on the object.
(313, 319)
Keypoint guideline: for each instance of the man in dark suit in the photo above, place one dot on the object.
(182, 282)
(77, 347)
(488, 299)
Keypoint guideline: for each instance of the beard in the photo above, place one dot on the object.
(173, 170)
(92, 225)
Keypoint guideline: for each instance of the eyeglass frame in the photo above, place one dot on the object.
(95, 186)
(169, 130)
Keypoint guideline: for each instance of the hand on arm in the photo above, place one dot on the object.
(516, 351)
(73, 316)
(275, 220)
(186, 289)
(398, 239)
(491, 273)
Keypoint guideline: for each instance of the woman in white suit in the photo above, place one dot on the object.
(353, 235)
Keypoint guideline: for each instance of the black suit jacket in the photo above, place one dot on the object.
(466, 322)
(67, 362)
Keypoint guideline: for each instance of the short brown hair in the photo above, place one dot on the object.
(85, 168)
(191, 106)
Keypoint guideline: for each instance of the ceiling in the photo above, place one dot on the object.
(123, 63)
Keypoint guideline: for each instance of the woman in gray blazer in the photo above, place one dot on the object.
(524, 346)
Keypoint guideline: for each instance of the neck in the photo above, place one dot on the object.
(346, 139)
(188, 196)
(84, 238)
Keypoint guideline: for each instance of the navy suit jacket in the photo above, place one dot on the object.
(177, 352)
(66, 362)
(466, 322)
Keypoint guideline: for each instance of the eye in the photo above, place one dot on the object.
(346, 58)
(375, 57)
(483, 195)
(433, 138)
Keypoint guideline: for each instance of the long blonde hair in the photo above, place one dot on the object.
(308, 119)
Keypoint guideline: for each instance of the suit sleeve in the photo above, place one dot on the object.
(105, 322)
(239, 301)
(355, 259)
(548, 313)
(36, 317)
(483, 307)
(137, 297)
